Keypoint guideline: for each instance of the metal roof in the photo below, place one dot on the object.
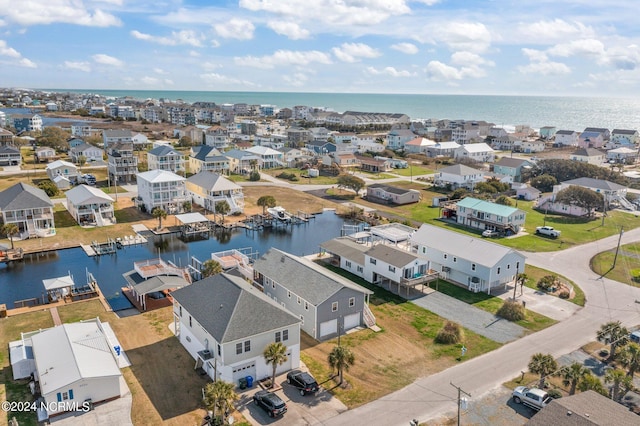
(159, 283)
(213, 182)
(157, 176)
(391, 255)
(461, 170)
(488, 207)
(230, 309)
(595, 183)
(22, 196)
(188, 218)
(347, 248)
(84, 194)
(60, 282)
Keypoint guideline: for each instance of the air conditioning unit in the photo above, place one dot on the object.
(446, 269)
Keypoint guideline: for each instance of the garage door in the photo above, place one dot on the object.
(244, 370)
(286, 366)
(328, 327)
(351, 321)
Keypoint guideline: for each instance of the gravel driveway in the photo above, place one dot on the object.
(475, 319)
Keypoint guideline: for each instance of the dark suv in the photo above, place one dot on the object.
(303, 381)
(270, 402)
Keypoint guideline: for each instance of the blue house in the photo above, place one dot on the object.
(321, 147)
(511, 167)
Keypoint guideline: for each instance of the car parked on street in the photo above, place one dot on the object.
(270, 402)
(303, 381)
(532, 397)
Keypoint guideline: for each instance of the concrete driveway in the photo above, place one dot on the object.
(301, 410)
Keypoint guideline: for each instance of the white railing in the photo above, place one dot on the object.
(369, 318)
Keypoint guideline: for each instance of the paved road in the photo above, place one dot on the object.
(430, 396)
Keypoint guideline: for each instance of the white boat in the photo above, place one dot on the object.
(279, 213)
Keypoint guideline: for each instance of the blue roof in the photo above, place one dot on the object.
(488, 207)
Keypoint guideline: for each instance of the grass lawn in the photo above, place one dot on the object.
(413, 170)
(394, 357)
(627, 264)
(302, 176)
(535, 274)
(533, 322)
(376, 176)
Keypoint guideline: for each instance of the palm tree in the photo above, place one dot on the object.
(223, 208)
(621, 383)
(275, 354)
(615, 334)
(629, 357)
(520, 279)
(591, 382)
(210, 267)
(266, 201)
(542, 364)
(572, 375)
(159, 213)
(341, 358)
(10, 230)
(219, 396)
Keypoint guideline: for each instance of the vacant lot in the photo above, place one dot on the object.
(627, 265)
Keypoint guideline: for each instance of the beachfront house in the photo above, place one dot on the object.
(479, 152)
(207, 158)
(163, 189)
(622, 155)
(89, 152)
(10, 156)
(477, 264)
(62, 168)
(90, 206)
(30, 208)
(165, 157)
(122, 163)
(547, 132)
(591, 140)
(566, 138)
(458, 176)
(206, 189)
(512, 167)
(225, 324)
(387, 194)
(326, 303)
(623, 138)
(72, 364)
(483, 215)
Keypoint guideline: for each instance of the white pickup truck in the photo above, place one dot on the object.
(549, 231)
(533, 397)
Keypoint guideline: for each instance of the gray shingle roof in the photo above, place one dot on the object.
(230, 309)
(511, 162)
(391, 255)
(347, 248)
(460, 170)
(391, 189)
(594, 183)
(22, 196)
(212, 181)
(303, 277)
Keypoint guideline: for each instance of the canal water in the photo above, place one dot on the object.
(23, 280)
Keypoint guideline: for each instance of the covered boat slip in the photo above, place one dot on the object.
(193, 223)
(151, 281)
(65, 289)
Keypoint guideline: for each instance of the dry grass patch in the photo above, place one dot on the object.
(290, 199)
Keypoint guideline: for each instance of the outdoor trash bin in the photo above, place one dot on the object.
(249, 381)
(242, 383)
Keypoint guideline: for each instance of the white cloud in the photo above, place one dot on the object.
(468, 36)
(160, 71)
(343, 13)
(297, 79)
(439, 71)
(284, 58)
(408, 48)
(80, 66)
(554, 31)
(220, 79)
(240, 29)
(194, 53)
(185, 37)
(56, 11)
(467, 65)
(469, 59)
(155, 82)
(390, 71)
(545, 68)
(535, 55)
(288, 29)
(103, 59)
(27, 63)
(5, 50)
(582, 47)
(210, 66)
(352, 52)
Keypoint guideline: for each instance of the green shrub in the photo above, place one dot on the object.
(511, 311)
(49, 188)
(564, 294)
(451, 332)
(555, 393)
(547, 282)
(254, 176)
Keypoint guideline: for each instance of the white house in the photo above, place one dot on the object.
(225, 324)
(89, 152)
(418, 145)
(622, 155)
(588, 155)
(90, 206)
(443, 149)
(388, 265)
(459, 176)
(475, 263)
(30, 209)
(566, 138)
(480, 152)
(206, 189)
(112, 136)
(269, 158)
(612, 192)
(62, 168)
(623, 138)
(165, 157)
(163, 189)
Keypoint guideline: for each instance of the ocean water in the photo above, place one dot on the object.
(567, 113)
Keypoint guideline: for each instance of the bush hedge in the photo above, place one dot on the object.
(451, 332)
(511, 311)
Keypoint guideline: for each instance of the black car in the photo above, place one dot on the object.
(270, 402)
(303, 381)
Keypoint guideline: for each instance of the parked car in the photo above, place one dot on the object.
(270, 402)
(549, 231)
(532, 397)
(490, 233)
(303, 381)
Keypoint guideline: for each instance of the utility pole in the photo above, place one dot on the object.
(460, 391)
(615, 258)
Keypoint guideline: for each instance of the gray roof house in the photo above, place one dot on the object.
(225, 324)
(206, 189)
(387, 194)
(164, 157)
(10, 156)
(477, 264)
(326, 303)
(207, 158)
(30, 208)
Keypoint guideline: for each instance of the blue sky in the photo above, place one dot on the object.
(523, 47)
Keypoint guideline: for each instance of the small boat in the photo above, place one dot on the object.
(279, 213)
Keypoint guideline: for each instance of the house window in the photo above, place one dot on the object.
(473, 266)
(424, 250)
(359, 268)
(288, 294)
(334, 306)
(219, 350)
(517, 265)
(273, 284)
(498, 270)
(190, 322)
(445, 255)
(238, 348)
(306, 306)
(348, 264)
(455, 259)
(372, 261)
(508, 266)
(247, 346)
(299, 300)
(278, 336)
(392, 268)
(180, 309)
(285, 335)
(302, 319)
(352, 302)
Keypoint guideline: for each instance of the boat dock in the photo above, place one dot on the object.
(111, 245)
(260, 221)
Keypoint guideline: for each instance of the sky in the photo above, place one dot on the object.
(488, 47)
